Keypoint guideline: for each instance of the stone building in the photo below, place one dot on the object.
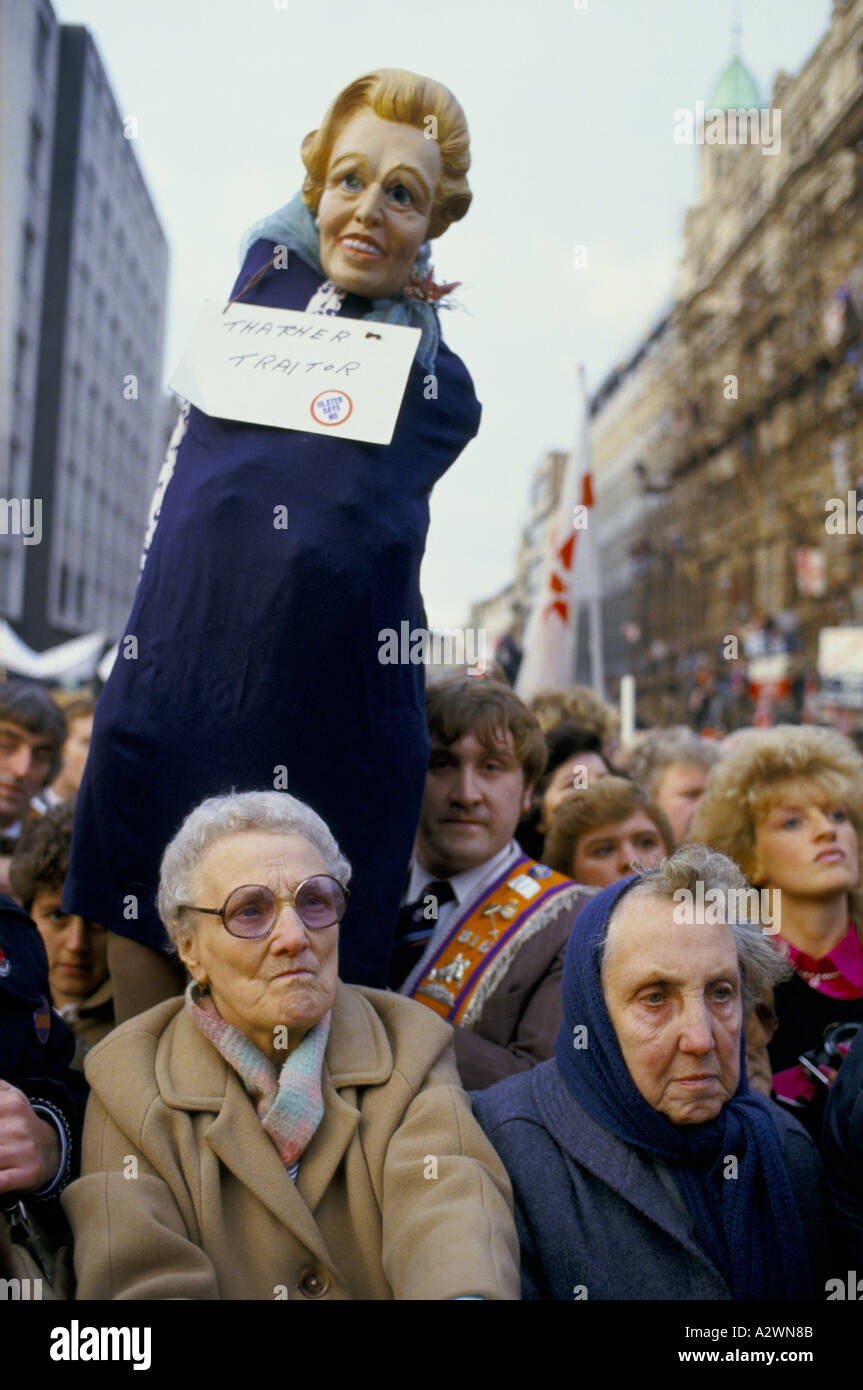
(719, 444)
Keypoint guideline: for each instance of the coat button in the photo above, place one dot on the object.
(314, 1283)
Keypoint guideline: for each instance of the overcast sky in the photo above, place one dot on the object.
(570, 111)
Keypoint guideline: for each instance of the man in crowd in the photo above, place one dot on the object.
(672, 766)
(32, 732)
(483, 928)
(78, 711)
(77, 949)
(41, 1104)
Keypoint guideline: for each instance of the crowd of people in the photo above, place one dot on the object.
(486, 1005)
(618, 1056)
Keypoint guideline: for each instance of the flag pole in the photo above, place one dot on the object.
(594, 598)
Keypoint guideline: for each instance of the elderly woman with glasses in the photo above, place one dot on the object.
(643, 1165)
(278, 1134)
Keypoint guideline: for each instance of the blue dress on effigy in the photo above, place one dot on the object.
(256, 647)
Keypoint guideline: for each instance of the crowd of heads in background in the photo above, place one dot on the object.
(785, 805)
(44, 740)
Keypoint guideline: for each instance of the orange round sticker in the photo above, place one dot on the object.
(331, 407)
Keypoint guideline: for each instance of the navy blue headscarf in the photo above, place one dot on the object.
(748, 1226)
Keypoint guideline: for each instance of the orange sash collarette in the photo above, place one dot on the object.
(478, 950)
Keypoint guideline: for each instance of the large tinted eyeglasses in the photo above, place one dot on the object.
(251, 911)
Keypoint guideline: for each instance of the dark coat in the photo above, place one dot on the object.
(804, 1014)
(521, 1019)
(596, 1217)
(41, 1069)
(842, 1147)
(257, 647)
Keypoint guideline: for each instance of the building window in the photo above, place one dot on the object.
(80, 590)
(43, 38)
(33, 157)
(28, 246)
(77, 377)
(20, 361)
(14, 467)
(64, 587)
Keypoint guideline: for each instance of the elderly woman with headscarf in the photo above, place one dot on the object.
(642, 1164)
(277, 1134)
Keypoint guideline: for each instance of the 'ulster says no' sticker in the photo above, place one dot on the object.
(331, 407)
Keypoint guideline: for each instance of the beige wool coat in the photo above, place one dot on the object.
(183, 1195)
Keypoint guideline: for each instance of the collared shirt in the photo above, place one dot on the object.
(9, 838)
(11, 835)
(839, 973)
(467, 886)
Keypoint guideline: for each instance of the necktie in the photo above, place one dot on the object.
(416, 922)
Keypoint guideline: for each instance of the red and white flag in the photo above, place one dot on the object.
(572, 575)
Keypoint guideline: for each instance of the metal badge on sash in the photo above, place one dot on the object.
(42, 1021)
(524, 885)
(478, 938)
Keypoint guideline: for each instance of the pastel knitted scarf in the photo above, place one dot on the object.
(289, 1102)
(294, 226)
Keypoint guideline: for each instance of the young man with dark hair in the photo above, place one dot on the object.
(77, 949)
(483, 927)
(32, 732)
(42, 1102)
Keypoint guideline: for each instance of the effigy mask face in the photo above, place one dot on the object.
(374, 211)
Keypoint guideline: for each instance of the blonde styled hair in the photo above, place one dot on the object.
(760, 768)
(397, 95)
(577, 705)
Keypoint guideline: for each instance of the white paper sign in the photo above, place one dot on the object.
(312, 372)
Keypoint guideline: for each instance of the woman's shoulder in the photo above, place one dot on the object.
(126, 1057)
(517, 1100)
(376, 1032)
(151, 1022)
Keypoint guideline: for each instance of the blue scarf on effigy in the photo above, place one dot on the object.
(749, 1226)
(294, 226)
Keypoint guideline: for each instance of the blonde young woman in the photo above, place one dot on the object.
(787, 805)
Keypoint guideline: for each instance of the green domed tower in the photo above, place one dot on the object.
(736, 89)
